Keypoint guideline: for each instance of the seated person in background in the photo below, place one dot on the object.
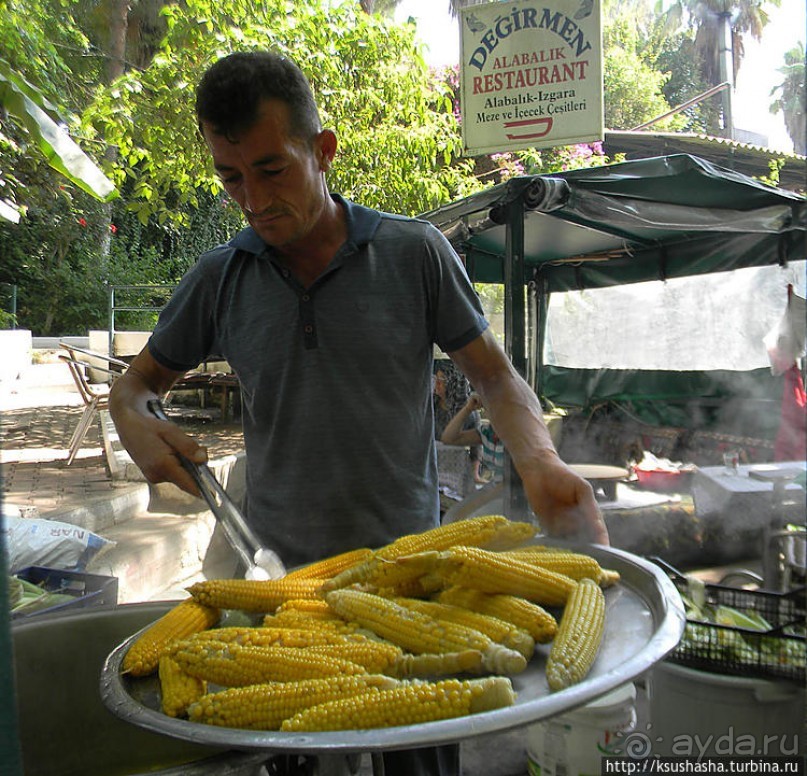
(483, 435)
(450, 391)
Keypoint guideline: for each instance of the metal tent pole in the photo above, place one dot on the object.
(515, 501)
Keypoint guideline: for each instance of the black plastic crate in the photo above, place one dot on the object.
(778, 653)
(89, 590)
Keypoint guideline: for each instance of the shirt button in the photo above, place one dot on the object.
(308, 329)
(306, 298)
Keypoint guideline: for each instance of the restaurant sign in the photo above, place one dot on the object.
(530, 75)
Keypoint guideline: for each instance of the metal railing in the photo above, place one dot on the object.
(115, 306)
(11, 295)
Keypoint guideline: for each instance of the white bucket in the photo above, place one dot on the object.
(574, 744)
(697, 713)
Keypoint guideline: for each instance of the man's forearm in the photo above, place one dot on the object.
(518, 418)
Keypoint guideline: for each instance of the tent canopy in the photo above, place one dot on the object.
(641, 220)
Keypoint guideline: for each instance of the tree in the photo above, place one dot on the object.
(369, 77)
(791, 98)
(717, 23)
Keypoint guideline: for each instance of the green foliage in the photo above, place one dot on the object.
(370, 80)
(55, 258)
(775, 166)
(703, 19)
(791, 97)
(639, 44)
(38, 120)
(633, 84)
(42, 40)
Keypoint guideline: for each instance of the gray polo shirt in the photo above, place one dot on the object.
(336, 378)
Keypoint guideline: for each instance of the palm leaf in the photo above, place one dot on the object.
(36, 114)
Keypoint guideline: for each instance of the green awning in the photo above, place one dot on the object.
(641, 220)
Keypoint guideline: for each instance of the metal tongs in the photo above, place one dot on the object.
(260, 562)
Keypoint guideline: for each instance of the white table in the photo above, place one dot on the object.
(601, 476)
(748, 495)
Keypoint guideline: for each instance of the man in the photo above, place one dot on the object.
(328, 313)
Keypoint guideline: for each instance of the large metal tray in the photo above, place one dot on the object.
(644, 621)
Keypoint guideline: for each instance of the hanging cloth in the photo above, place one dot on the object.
(786, 345)
(791, 439)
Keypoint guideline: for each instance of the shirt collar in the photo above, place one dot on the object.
(362, 223)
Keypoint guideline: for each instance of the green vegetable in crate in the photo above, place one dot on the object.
(738, 646)
(14, 591)
(26, 597)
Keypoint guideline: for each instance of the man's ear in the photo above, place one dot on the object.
(326, 144)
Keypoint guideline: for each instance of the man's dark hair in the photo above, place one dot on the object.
(230, 94)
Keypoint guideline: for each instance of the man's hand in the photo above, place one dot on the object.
(153, 444)
(563, 501)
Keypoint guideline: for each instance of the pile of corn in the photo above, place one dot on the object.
(373, 639)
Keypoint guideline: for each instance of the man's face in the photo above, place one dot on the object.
(275, 177)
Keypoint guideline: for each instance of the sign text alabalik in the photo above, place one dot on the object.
(531, 74)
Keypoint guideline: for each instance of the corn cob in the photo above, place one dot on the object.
(308, 621)
(384, 657)
(474, 532)
(523, 614)
(265, 706)
(380, 572)
(374, 655)
(253, 595)
(493, 572)
(573, 564)
(497, 630)
(579, 636)
(420, 633)
(468, 661)
(267, 637)
(530, 548)
(178, 690)
(511, 534)
(235, 666)
(409, 704)
(609, 577)
(306, 605)
(185, 618)
(422, 587)
(330, 567)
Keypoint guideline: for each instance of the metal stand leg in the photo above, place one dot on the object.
(316, 765)
(774, 562)
(81, 430)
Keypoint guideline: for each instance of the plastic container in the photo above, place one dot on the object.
(663, 481)
(695, 712)
(574, 744)
(88, 589)
(64, 727)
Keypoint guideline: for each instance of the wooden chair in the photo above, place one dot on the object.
(94, 397)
